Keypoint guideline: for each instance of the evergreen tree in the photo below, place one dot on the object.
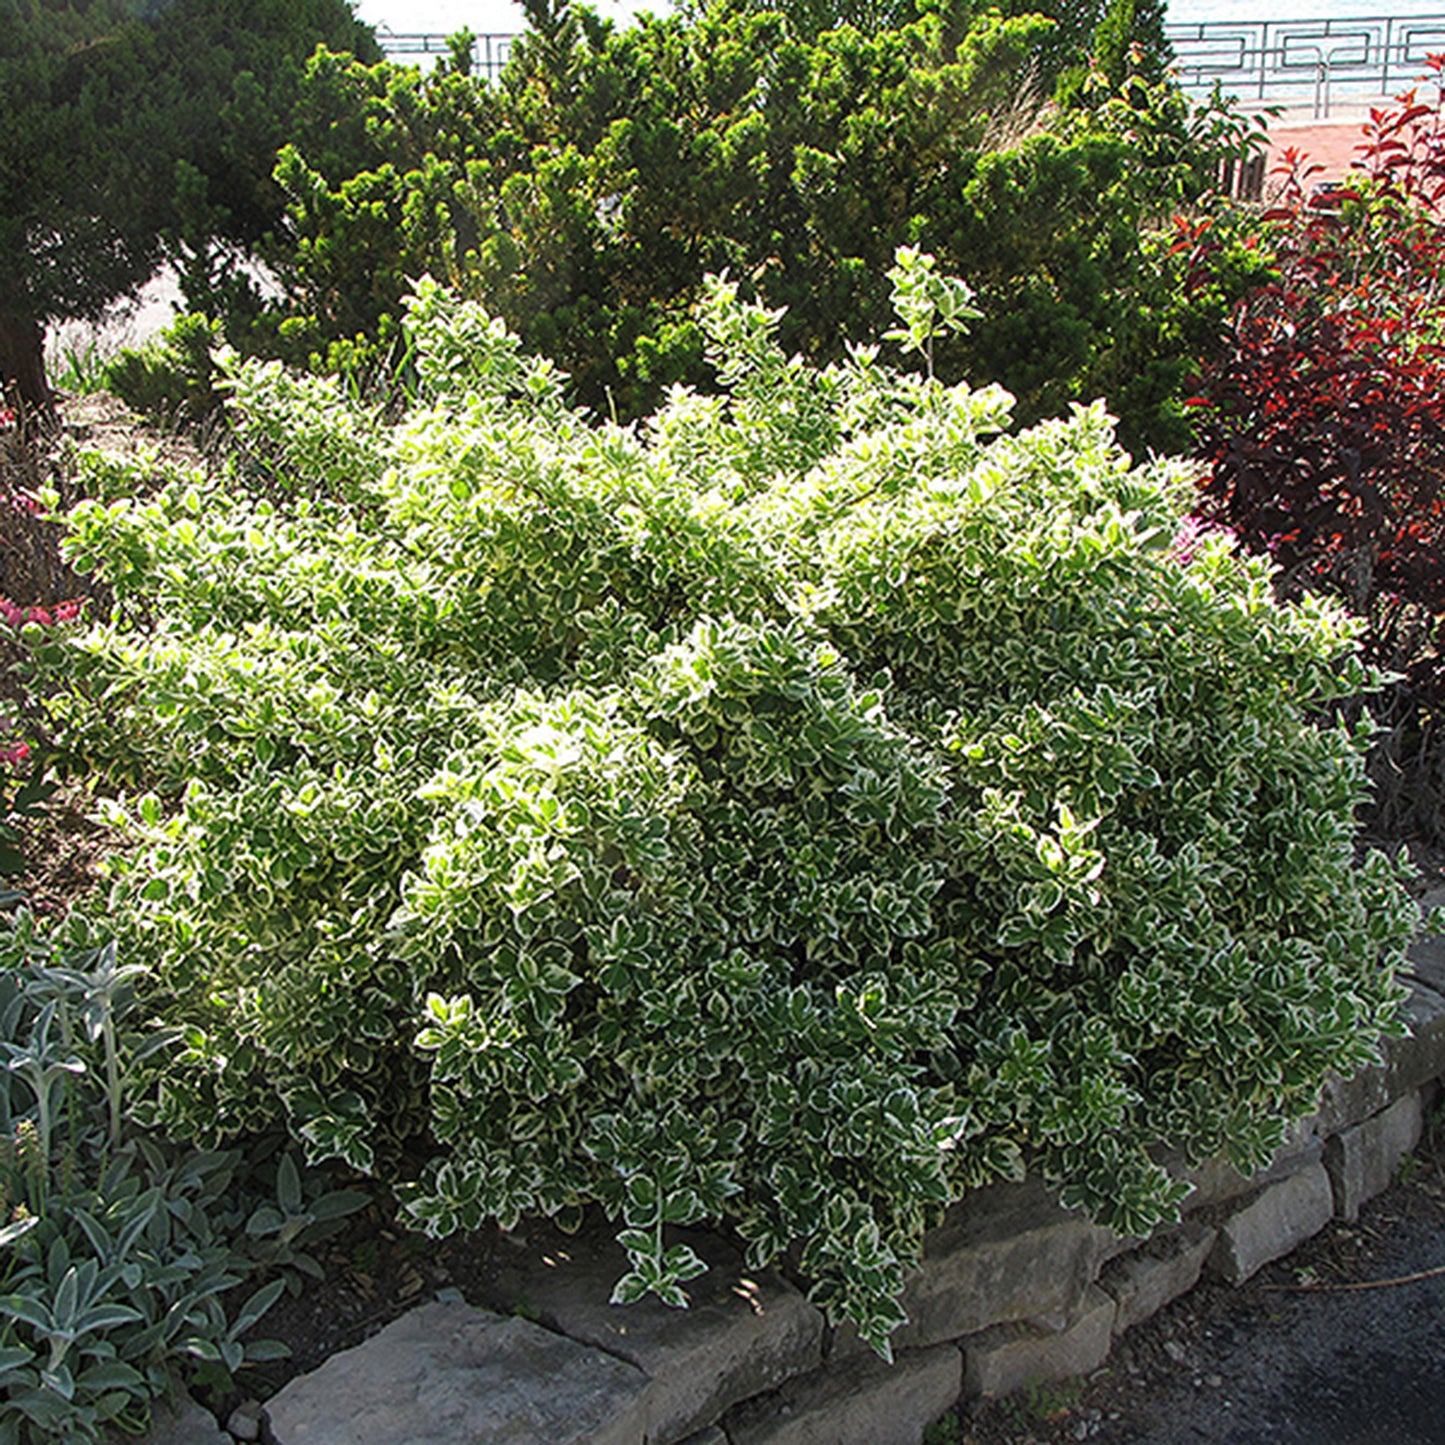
(136, 128)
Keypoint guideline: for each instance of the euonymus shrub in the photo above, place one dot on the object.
(796, 809)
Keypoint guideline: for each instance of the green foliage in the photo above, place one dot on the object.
(1320, 414)
(303, 1213)
(133, 132)
(79, 367)
(583, 195)
(26, 784)
(797, 808)
(808, 19)
(170, 379)
(23, 796)
(1127, 45)
(1040, 1404)
(114, 1256)
(928, 305)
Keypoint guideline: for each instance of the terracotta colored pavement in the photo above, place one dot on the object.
(1330, 144)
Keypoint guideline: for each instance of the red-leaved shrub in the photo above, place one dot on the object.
(1322, 419)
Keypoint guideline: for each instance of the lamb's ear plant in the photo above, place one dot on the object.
(43, 1063)
(98, 991)
(119, 1254)
(298, 1214)
(795, 811)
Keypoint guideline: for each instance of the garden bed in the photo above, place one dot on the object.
(793, 814)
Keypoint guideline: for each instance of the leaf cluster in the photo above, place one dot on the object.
(118, 112)
(583, 195)
(118, 1253)
(1323, 413)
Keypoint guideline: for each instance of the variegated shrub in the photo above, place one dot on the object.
(795, 810)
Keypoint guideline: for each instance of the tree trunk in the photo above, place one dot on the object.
(22, 366)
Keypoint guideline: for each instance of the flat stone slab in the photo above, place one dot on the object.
(1362, 1161)
(1217, 1181)
(1425, 962)
(1166, 1267)
(1008, 1252)
(860, 1401)
(743, 1332)
(1012, 1357)
(451, 1374)
(1284, 1215)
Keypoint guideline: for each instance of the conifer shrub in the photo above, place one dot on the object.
(795, 809)
(583, 194)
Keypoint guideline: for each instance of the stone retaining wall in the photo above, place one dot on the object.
(1012, 1291)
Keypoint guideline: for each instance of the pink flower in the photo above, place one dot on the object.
(1192, 531)
(40, 615)
(67, 611)
(15, 754)
(13, 615)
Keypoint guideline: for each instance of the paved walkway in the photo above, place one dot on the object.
(1330, 144)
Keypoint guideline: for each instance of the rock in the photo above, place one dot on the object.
(1168, 1266)
(1283, 1215)
(450, 1374)
(1344, 1102)
(1008, 1252)
(862, 1400)
(1362, 1161)
(1420, 1057)
(1010, 1357)
(184, 1423)
(245, 1421)
(1429, 901)
(711, 1436)
(742, 1334)
(1410, 1063)
(1217, 1181)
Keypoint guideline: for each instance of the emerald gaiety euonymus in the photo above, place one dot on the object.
(795, 809)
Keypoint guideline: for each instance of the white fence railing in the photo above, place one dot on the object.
(489, 52)
(1306, 61)
(1290, 61)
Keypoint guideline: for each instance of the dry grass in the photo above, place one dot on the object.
(1026, 114)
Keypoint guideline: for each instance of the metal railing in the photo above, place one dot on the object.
(1299, 61)
(489, 52)
(1305, 61)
